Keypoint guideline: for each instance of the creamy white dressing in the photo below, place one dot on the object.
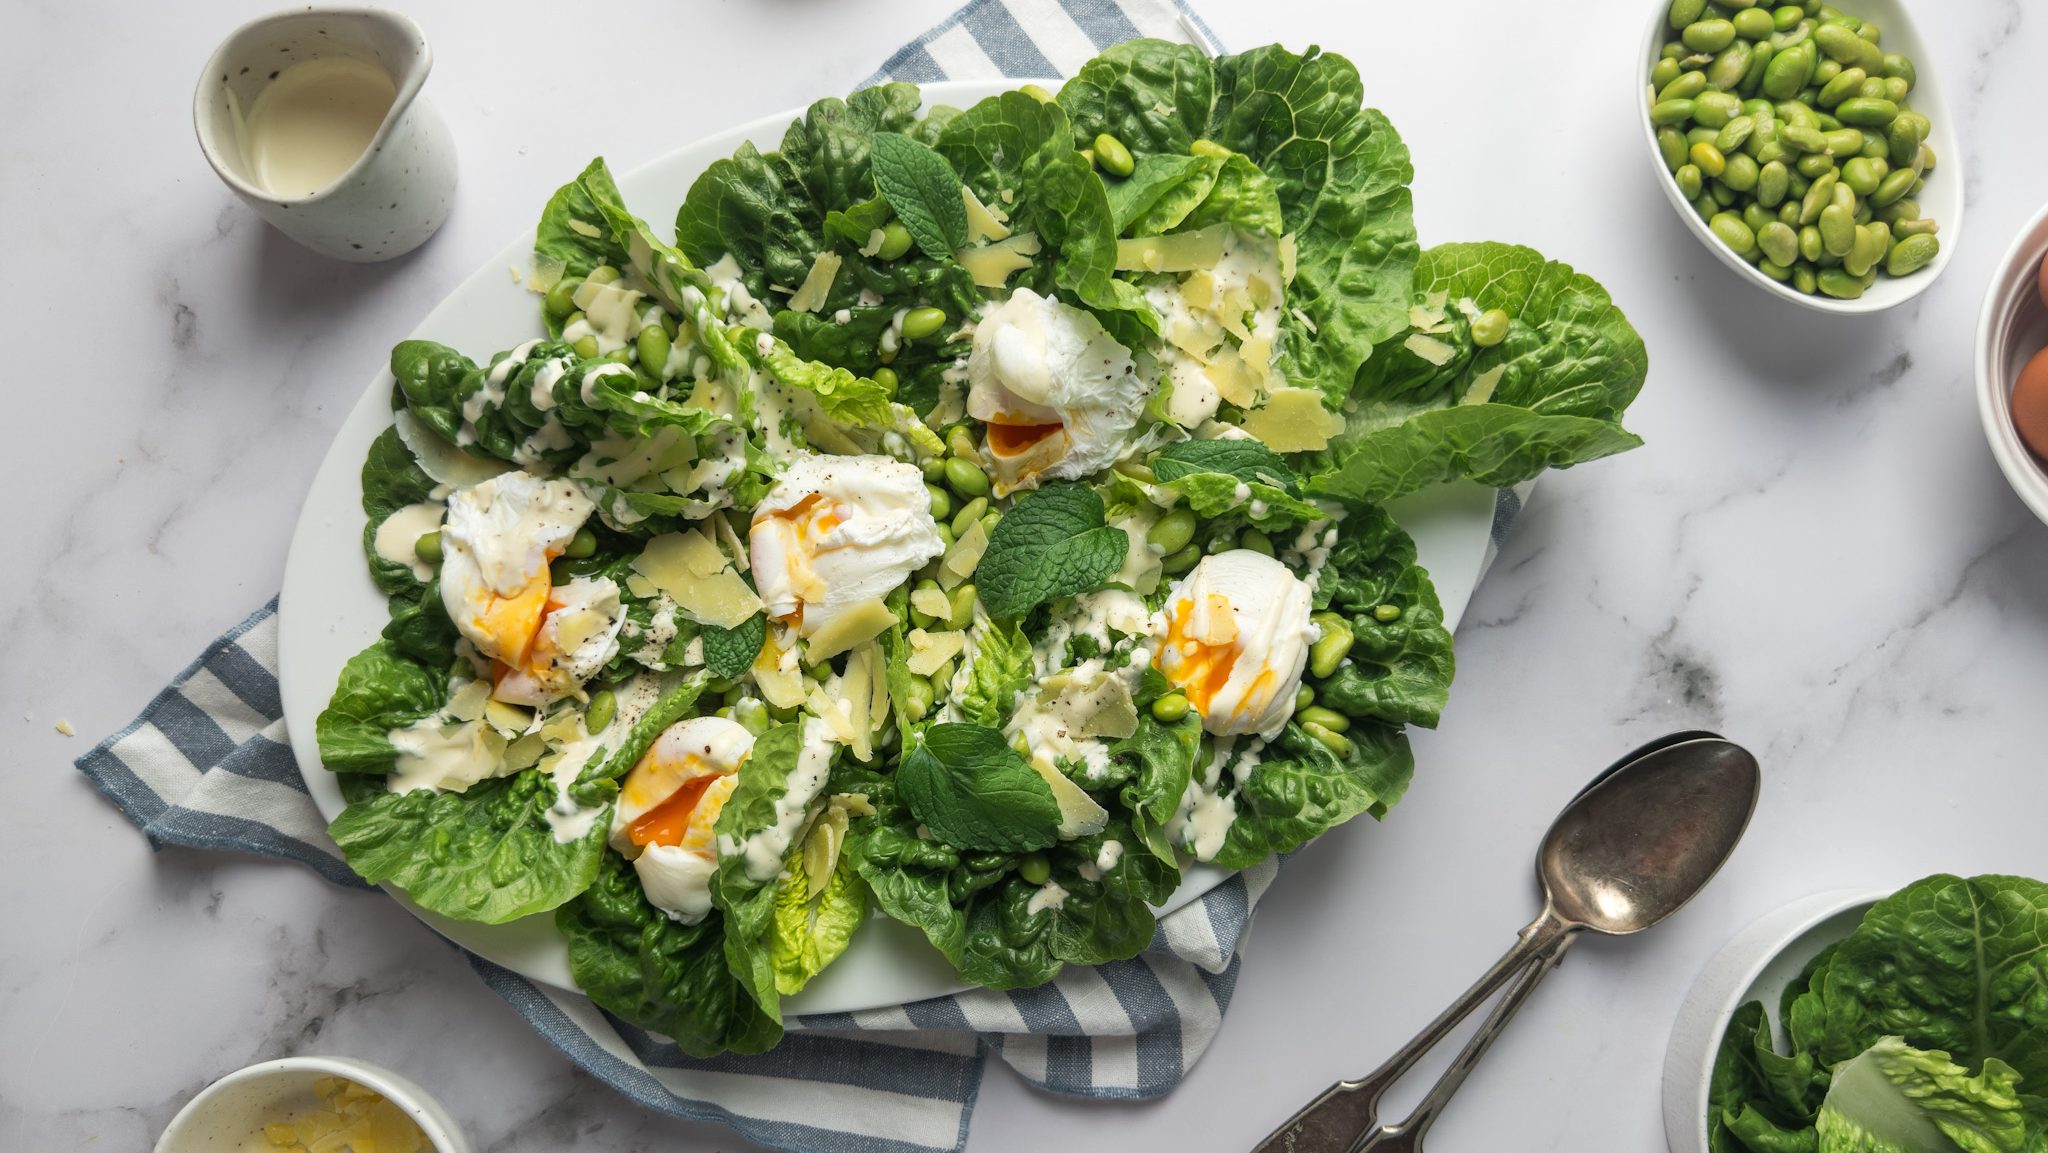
(445, 757)
(739, 304)
(1203, 819)
(1111, 852)
(399, 535)
(512, 362)
(311, 123)
(611, 315)
(542, 391)
(763, 852)
(551, 437)
(1049, 896)
(588, 388)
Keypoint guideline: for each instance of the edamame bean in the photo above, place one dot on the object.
(1906, 228)
(1814, 165)
(582, 545)
(895, 241)
(1772, 181)
(1753, 24)
(1779, 242)
(917, 698)
(1779, 272)
(1894, 187)
(1035, 869)
(1905, 134)
(1862, 174)
(1303, 698)
(1704, 206)
(1112, 156)
(886, 377)
(1843, 86)
(1734, 134)
(1728, 69)
(1870, 32)
(1803, 138)
(1864, 112)
(1337, 743)
(1817, 197)
(561, 299)
(1871, 89)
(920, 323)
(1172, 532)
(1844, 142)
(652, 344)
(1330, 648)
(1804, 279)
(1670, 112)
(1912, 254)
(1708, 160)
(602, 274)
(1787, 72)
(1722, 195)
(1489, 328)
(428, 547)
(1742, 172)
(1169, 708)
(1175, 563)
(1825, 72)
(1787, 17)
(941, 504)
(1683, 12)
(1715, 109)
(1896, 89)
(1255, 541)
(1872, 242)
(604, 704)
(1330, 719)
(1788, 214)
(1837, 282)
(1875, 146)
(1671, 144)
(585, 347)
(1840, 43)
(1899, 67)
(1386, 614)
(1837, 230)
(968, 514)
(1663, 73)
(962, 477)
(1759, 62)
(945, 532)
(1754, 215)
(1845, 197)
(1710, 35)
(1700, 134)
(1810, 246)
(963, 607)
(934, 470)
(1734, 233)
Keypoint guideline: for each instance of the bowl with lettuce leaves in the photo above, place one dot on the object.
(1870, 1022)
(947, 546)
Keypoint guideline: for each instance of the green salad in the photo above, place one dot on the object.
(973, 515)
(1924, 1031)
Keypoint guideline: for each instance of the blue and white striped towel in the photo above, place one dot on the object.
(208, 765)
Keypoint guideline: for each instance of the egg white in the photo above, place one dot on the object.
(1058, 393)
(836, 531)
(1234, 635)
(676, 870)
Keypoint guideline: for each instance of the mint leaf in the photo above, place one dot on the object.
(730, 652)
(971, 789)
(1054, 543)
(923, 189)
(1244, 458)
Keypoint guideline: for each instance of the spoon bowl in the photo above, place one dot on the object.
(1636, 845)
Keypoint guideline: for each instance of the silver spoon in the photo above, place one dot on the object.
(1628, 851)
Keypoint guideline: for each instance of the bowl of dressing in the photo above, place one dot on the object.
(301, 1103)
(314, 118)
(2012, 365)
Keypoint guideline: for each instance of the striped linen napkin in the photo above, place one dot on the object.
(208, 765)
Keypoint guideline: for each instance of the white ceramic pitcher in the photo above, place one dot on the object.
(397, 191)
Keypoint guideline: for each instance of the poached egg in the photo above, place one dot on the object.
(836, 531)
(668, 807)
(1058, 393)
(1234, 636)
(499, 537)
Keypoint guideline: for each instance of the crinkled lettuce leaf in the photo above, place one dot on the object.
(811, 929)
(632, 961)
(1893, 1098)
(486, 854)
(748, 901)
(1550, 395)
(1399, 670)
(380, 689)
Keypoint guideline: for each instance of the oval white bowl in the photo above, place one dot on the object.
(2011, 328)
(227, 1112)
(1942, 199)
(1755, 966)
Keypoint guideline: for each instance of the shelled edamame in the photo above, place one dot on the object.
(1790, 131)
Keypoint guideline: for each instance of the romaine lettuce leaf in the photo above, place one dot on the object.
(1398, 670)
(1300, 789)
(487, 854)
(634, 962)
(746, 899)
(1893, 1098)
(380, 689)
(811, 930)
(392, 479)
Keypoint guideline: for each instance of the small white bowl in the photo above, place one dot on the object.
(2012, 327)
(224, 1114)
(1756, 965)
(1941, 200)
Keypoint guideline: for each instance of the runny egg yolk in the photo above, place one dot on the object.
(674, 793)
(1012, 440)
(1233, 637)
(1201, 653)
(510, 623)
(801, 528)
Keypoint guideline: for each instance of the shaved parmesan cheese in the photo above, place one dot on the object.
(1287, 258)
(442, 462)
(982, 224)
(964, 556)
(510, 720)
(992, 264)
(1179, 252)
(692, 570)
(640, 586)
(1429, 348)
(931, 602)
(859, 624)
(1293, 420)
(581, 229)
(810, 295)
(1080, 816)
(781, 687)
(874, 244)
(1483, 385)
(930, 651)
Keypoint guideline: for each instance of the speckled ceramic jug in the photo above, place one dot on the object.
(397, 192)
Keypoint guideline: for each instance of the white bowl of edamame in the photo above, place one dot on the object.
(2011, 329)
(1749, 124)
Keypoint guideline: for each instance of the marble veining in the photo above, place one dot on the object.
(1814, 554)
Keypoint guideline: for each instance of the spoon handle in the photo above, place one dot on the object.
(1334, 1121)
(1406, 1137)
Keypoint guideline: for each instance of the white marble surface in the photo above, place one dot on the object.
(1814, 555)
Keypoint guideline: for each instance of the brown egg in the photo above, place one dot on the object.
(2030, 404)
(2043, 286)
